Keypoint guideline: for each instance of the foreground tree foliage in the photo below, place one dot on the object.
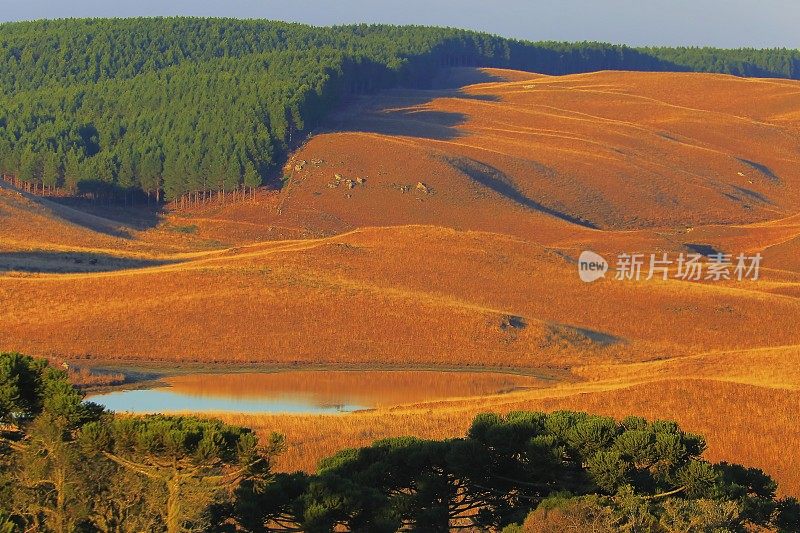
(631, 475)
(195, 461)
(68, 466)
(194, 108)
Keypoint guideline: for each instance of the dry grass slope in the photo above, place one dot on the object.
(449, 238)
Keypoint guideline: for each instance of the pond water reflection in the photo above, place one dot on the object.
(307, 391)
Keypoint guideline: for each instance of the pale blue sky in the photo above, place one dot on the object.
(725, 23)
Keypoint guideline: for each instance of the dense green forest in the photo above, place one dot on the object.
(67, 465)
(170, 106)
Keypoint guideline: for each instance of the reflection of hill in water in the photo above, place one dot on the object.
(374, 388)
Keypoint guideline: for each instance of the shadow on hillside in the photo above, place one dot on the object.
(53, 262)
(762, 169)
(410, 121)
(557, 334)
(750, 195)
(114, 217)
(406, 112)
(702, 249)
(458, 77)
(402, 113)
(496, 180)
(110, 215)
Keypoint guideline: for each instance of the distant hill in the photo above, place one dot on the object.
(173, 106)
(549, 155)
(442, 226)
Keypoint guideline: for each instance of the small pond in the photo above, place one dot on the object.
(307, 391)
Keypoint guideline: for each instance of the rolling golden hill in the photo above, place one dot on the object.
(442, 227)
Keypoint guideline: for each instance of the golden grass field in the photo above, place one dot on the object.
(449, 239)
(749, 424)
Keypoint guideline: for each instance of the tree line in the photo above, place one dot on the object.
(170, 107)
(67, 465)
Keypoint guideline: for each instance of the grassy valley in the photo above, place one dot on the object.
(416, 206)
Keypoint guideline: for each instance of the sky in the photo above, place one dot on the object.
(723, 23)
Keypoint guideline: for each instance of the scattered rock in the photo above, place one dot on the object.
(337, 179)
(512, 322)
(511, 325)
(424, 189)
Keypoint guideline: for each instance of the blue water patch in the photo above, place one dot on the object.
(166, 401)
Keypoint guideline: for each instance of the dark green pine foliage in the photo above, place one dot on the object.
(171, 106)
(507, 466)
